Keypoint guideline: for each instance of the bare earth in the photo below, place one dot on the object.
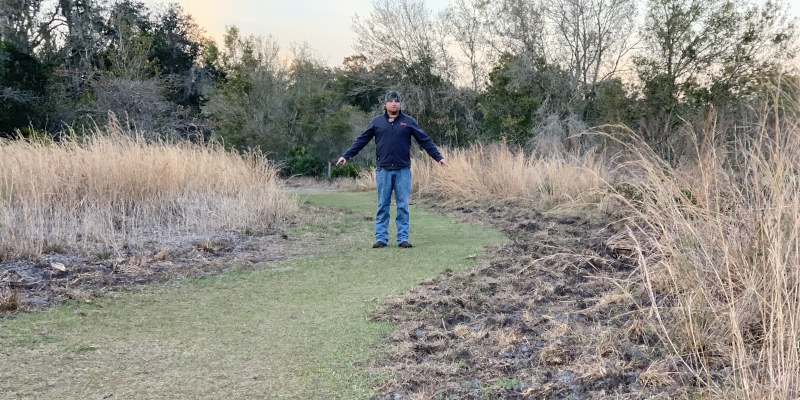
(542, 318)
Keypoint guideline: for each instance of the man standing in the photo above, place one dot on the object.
(392, 132)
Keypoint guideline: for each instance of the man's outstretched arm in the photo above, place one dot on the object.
(358, 144)
(426, 143)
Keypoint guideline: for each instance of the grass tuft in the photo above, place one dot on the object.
(722, 255)
(9, 300)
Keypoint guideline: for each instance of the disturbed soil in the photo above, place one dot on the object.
(31, 285)
(551, 315)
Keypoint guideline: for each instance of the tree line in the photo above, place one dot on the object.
(528, 72)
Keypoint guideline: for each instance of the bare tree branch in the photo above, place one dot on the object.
(593, 36)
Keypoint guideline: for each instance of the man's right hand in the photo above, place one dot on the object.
(341, 161)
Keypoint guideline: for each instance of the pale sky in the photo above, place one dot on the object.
(324, 24)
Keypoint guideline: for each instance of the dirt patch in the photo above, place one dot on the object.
(548, 316)
(30, 285)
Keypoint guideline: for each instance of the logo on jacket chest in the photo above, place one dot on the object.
(403, 123)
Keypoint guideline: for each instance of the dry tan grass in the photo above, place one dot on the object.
(724, 251)
(658, 374)
(554, 355)
(9, 300)
(499, 173)
(113, 189)
(365, 181)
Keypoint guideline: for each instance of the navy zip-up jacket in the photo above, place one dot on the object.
(393, 141)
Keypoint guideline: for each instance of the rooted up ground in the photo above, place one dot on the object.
(548, 316)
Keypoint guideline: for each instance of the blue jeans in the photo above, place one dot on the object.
(399, 181)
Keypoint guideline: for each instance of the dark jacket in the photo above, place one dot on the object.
(393, 141)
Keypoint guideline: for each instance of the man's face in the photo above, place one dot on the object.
(393, 106)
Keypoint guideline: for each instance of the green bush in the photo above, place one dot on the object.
(24, 82)
(302, 162)
(349, 170)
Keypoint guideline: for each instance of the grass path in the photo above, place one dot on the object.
(295, 329)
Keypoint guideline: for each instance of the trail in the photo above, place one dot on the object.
(292, 329)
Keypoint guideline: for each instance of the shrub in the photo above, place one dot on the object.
(349, 170)
(302, 162)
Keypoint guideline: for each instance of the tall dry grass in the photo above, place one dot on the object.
(111, 190)
(724, 275)
(499, 173)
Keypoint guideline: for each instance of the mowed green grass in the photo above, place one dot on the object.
(295, 329)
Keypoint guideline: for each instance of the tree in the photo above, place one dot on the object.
(318, 117)
(109, 56)
(361, 84)
(467, 21)
(517, 27)
(27, 25)
(177, 41)
(766, 40)
(83, 39)
(404, 43)
(23, 85)
(593, 37)
(521, 97)
(247, 107)
(127, 56)
(404, 31)
(702, 50)
(685, 37)
(176, 54)
(613, 103)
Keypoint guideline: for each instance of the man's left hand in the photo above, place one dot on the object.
(443, 163)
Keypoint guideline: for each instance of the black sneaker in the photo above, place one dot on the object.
(378, 245)
(404, 244)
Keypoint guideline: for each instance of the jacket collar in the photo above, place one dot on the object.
(399, 116)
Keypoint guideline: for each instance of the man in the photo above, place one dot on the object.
(392, 132)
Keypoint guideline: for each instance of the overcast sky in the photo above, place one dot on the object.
(324, 24)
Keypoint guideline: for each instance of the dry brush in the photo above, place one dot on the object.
(113, 189)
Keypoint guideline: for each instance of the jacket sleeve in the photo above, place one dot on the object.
(424, 141)
(360, 141)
